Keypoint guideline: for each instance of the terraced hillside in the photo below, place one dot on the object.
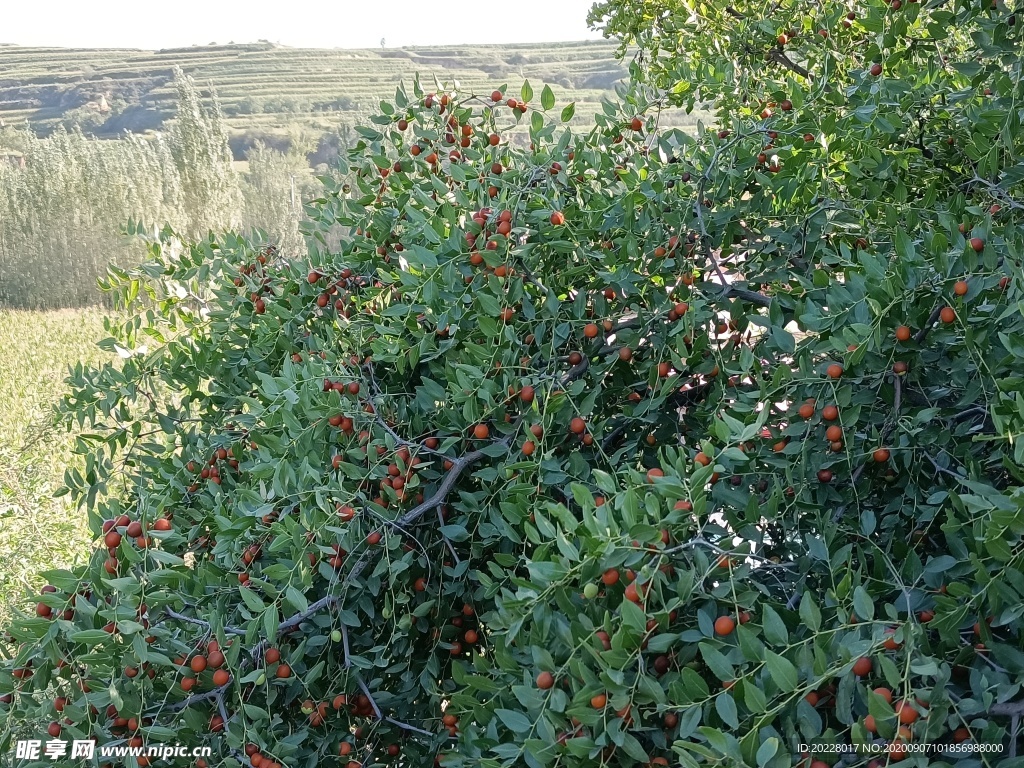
(270, 89)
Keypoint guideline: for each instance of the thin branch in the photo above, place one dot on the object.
(984, 657)
(294, 621)
(408, 727)
(943, 470)
(195, 699)
(970, 413)
(779, 57)
(1014, 730)
(200, 623)
(794, 599)
(998, 192)
(369, 695)
(387, 427)
(287, 626)
(732, 292)
(1010, 708)
(700, 541)
(447, 541)
(221, 709)
(932, 318)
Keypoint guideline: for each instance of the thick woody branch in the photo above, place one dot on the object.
(612, 437)
(779, 57)
(459, 465)
(288, 625)
(575, 372)
(1008, 709)
(294, 621)
(732, 292)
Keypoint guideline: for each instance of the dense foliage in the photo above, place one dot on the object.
(626, 449)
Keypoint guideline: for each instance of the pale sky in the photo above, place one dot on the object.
(299, 23)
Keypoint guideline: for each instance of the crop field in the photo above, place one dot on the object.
(271, 88)
(38, 531)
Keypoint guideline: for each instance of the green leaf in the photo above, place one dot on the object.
(754, 697)
(783, 339)
(775, 631)
(782, 671)
(526, 92)
(514, 721)
(270, 623)
(767, 750)
(726, 708)
(252, 600)
(904, 246)
(568, 111)
(809, 612)
(296, 599)
(717, 663)
(547, 97)
(633, 617)
(90, 637)
(862, 604)
(582, 495)
(940, 564)
(632, 747)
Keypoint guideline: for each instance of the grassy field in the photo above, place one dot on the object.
(36, 530)
(271, 89)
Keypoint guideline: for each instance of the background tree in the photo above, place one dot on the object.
(203, 158)
(627, 449)
(62, 214)
(275, 189)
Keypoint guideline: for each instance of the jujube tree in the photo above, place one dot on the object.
(631, 448)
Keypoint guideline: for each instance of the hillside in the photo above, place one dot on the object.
(267, 89)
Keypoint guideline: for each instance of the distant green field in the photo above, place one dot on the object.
(38, 531)
(272, 89)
